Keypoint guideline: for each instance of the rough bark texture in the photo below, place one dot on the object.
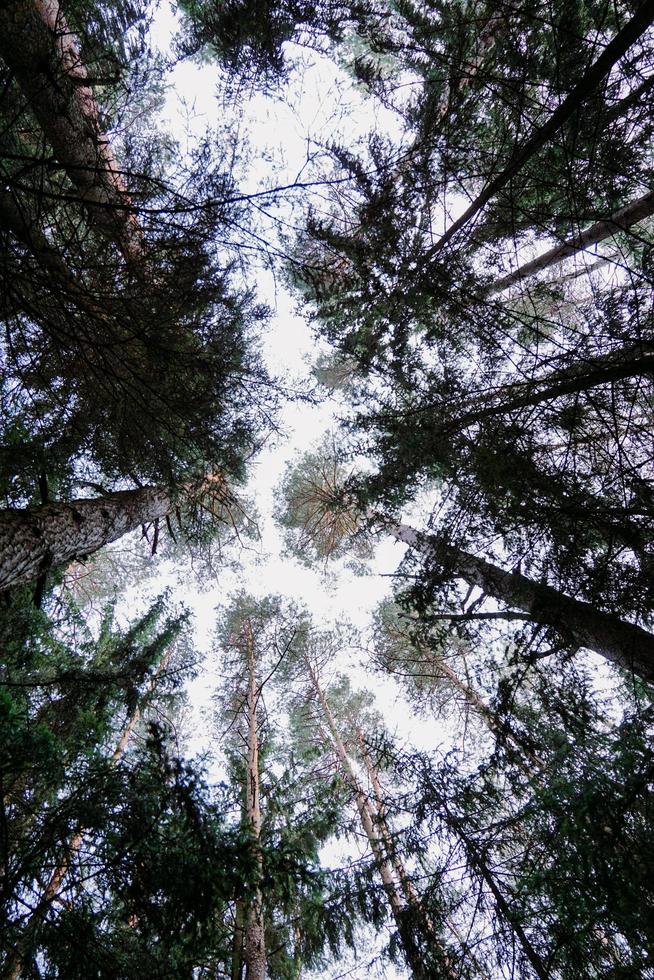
(624, 644)
(36, 539)
(611, 54)
(255, 942)
(621, 220)
(236, 971)
(38, 46)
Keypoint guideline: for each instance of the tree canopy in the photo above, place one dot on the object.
(326, 464)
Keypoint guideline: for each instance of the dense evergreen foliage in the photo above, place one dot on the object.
(462, 787)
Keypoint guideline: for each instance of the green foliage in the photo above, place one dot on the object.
(317, 509)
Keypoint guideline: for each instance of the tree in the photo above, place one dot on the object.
(552, 888)
(422, 946)
(128, 334)
(34, 540)
(87, 818)
(322, 506)
(287, 813)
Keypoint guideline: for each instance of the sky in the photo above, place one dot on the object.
(312, 110)
(283, 131)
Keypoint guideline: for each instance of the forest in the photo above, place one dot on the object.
(327, 477)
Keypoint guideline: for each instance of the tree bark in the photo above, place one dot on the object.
(38, 538)
(38, 46)
(611, 54)
(621, 220)
(254, 954)
(582, 374)
(236, 972)
(622, 643)
(383, 861)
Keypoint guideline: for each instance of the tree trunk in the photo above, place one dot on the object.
(38, 538)
(611, 54)
(621, 220)
(495, 725)
(236, 972)
(39, 47)
(622, 643)
(14, 965)
(478, 863)
(582, 374)
(255, 943)
(399, 906)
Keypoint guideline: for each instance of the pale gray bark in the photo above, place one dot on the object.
(375, 832)
(254, 954)
(618, 222)
(34, 539)
(622, 643)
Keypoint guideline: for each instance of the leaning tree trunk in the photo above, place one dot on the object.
(582, 374)
(477, 861)
(14, 966)
(579, 375)
(399, 907)
(39, 47)
(622, 643)
(621, 220)
(254, 954)
(411, 895)
(610, 56)
(34, 539)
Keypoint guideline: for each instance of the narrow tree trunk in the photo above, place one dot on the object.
(622, 643)
(399, 907)
(621, 220)
(582, 374)
(38, 538)
(236, 972)
(611, 54)
(39, 47)
(478, 863)
(255, 944)
(410, 893)
(14, 965)
(495, 725)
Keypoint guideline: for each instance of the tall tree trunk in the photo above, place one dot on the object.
(496, 726)
(621, 220)
(622, 643)
(582, 374)
(236, 972)
(15, 963)
(411, 895)
(477, 861)
(609, 57)
(399, 908)
(38, 538)
(39, 47)
(255, 942)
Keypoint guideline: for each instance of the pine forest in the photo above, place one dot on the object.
(327, 479)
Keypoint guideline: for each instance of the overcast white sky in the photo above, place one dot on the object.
(282, 129)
